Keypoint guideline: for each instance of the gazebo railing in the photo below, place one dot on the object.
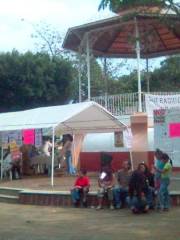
(125, 104)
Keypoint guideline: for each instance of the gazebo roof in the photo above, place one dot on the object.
(114, 37)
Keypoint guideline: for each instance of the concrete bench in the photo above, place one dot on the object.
(63, 198)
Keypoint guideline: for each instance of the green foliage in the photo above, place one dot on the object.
(164, 79)
(117, 5)
(167, 77)
(32, 80)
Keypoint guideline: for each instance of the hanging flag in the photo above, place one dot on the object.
(38, 137)
(28, 136)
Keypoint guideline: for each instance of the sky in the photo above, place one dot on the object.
(19, 18)
(60, 14)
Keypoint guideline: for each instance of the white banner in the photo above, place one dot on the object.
(154, 102)
(164, 139)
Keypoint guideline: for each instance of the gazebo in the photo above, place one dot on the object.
(135, 33)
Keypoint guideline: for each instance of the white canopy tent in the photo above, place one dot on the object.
(86, 117)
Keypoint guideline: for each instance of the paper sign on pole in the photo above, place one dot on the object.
(118, 139)
(127, 135)
(167, 133)
(174, 130)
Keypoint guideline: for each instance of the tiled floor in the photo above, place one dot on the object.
(64, 183)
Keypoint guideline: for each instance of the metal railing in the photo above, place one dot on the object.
(125, 104)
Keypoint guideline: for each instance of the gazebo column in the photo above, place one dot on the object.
(79, 78)
(147, 74)
(88, 66)
(105, 82)
(139, 128)
(138, 53)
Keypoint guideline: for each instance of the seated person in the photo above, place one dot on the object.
(7, 164)
(138, 190)
(150, 189)
(17, 168)
(121, 190)
(80, 189)
(106, 184)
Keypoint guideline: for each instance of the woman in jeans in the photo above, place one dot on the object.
(165, 181)
(66, 151)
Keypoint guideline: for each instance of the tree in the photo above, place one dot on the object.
(32, 80)
(49, 40)
(166, 78)
(117, 5)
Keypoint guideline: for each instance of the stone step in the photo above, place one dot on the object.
(9, 191)
(9, 198)
(63, 198)
(59, 172)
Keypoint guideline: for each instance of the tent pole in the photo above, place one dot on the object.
(88, 67)
(52, 164)
(138, 53)
(1, 162)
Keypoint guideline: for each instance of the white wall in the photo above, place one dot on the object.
(98, 142)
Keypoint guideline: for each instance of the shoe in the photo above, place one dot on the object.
(85, 204)
(111, 207)
(118, 206)
(75, 204)
(166, 209)
(146, 209)
(99, 207)
(158, 209)
(134, 210)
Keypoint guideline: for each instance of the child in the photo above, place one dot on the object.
(80, 189)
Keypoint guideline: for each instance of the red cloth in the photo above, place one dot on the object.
(82, 182)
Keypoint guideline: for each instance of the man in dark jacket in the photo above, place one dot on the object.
(138, 188)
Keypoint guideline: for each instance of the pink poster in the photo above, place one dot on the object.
(174, 130)
(28, 136)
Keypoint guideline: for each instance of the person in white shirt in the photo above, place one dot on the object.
(47, 148)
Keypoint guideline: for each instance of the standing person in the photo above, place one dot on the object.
(80, 189)
(159, 164)
(66, 151)
(47, 149)
(106, 184)
(121, 190)
(165, 181)
(138, 190)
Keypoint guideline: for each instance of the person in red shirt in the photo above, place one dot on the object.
(80, 189)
